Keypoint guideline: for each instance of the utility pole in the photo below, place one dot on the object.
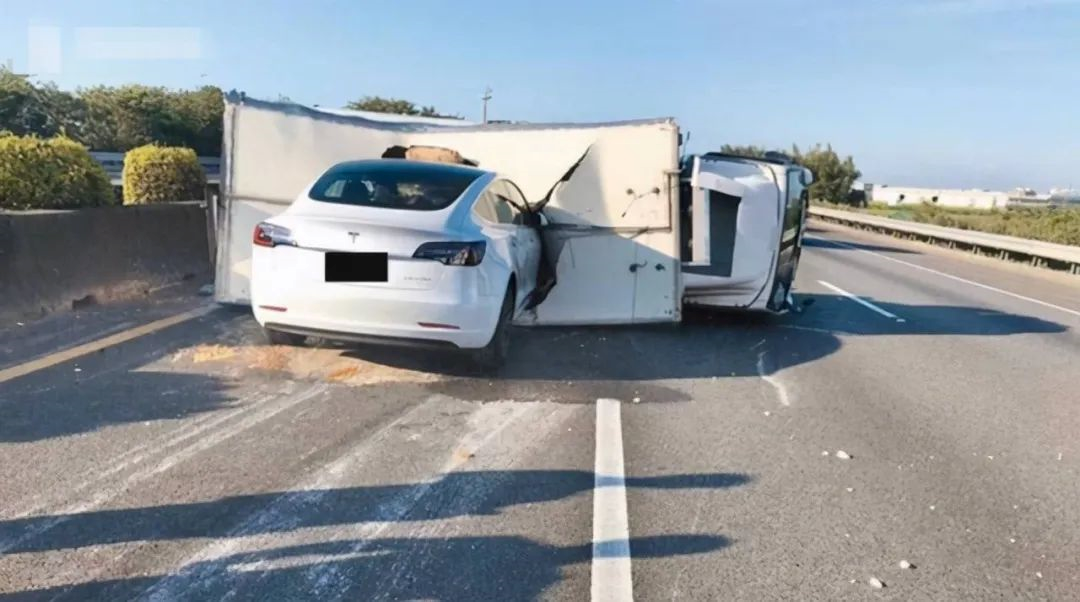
(486, 97)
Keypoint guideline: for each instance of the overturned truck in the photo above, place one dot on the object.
(630, 231)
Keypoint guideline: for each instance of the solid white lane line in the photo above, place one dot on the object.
(611, 576)
(861, 301)
(69, 354)
(959, 279)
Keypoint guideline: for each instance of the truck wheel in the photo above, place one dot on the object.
(492, 356)
(276, 337)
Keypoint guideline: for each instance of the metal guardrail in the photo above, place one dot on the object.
(1038, 253)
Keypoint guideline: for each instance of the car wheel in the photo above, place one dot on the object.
(276, 337)
(492, 356)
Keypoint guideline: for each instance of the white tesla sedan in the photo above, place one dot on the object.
(401, 252)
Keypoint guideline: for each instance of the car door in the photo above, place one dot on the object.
(503, 222)
(526, 238)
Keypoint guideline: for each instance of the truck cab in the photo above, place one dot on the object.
(741, 228)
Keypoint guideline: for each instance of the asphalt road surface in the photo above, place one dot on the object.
(923, 407)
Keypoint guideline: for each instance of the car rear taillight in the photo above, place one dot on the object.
(269, 235)
(452, 253)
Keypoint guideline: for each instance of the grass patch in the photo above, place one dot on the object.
(1051, 224)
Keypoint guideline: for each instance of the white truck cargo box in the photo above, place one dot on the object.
(610, 192)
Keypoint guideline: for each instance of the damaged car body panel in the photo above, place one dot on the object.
(607, 193)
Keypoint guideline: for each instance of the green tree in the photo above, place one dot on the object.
(397, 106)
(126, 117)
(833, 175)
(743, 151)
(201, 112)
(41, 110)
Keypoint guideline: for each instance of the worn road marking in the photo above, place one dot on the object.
(611, 576)
(105, 495)
(137, 454)
(781, 390)
(959, 279)
(60, 357)
(198, 572)
(861, 301)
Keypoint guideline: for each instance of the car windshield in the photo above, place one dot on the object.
(394, 186)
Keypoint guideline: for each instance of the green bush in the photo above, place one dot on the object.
(155, 174)
(50, 173)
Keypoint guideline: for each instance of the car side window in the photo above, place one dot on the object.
(494, 204)
(515, 194)
(485, 206)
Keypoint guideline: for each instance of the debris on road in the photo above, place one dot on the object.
(825, 453)
(767, 413)
(906, 565)
(843, 455)
(932, 507)
(211, 353)
(876, 583)
(1038, 574)
(850, 489)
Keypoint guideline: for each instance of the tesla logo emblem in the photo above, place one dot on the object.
(353, 236)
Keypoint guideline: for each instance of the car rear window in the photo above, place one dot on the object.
(406, 186)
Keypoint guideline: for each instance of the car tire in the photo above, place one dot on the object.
(276, 337)
(492, 356)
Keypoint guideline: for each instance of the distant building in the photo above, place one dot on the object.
(896, 195)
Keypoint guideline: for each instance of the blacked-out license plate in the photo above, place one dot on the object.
(356, 267)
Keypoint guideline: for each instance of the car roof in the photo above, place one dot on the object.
(398, 166)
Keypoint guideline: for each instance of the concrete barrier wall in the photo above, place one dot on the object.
(52, 259)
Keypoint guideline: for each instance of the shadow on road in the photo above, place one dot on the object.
(477, 493)
(822, 243)
(564, 365)
(456, 568)
(77, 406)
(586, 363)
(111, 386)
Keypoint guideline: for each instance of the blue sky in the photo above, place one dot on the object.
(957, 93)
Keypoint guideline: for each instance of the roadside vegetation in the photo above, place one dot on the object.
(833, 174)
(50, 173)
(1051, 224)
(158, 174)
(46, 134)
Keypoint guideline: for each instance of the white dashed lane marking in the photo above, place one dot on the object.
(611, 575)
(861, 301)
